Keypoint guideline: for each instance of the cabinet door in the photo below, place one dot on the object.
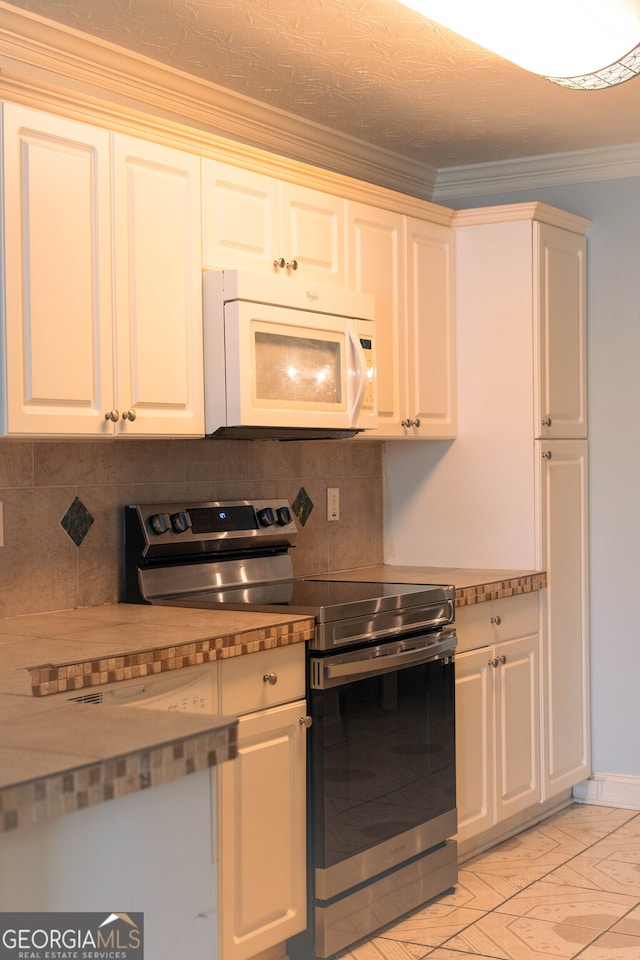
(158, 283)
(376, 266)
(562, 375)
(58, 311)
(517, 705)
(564, 540)
(430, 353)
(261, 828)
(474, 742)
(241, 226)
(313, 228)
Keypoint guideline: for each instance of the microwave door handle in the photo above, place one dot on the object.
(360, 374)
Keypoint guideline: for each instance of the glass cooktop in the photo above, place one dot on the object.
(324, 599)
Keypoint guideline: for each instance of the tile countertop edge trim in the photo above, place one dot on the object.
(49, 679)
(89, 784)
(465, 596)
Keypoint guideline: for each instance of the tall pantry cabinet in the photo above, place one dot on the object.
(522, 288)
(511, 492)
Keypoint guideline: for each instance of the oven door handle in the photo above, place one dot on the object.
(356, 669)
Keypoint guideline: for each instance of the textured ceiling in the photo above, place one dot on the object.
(370, 68)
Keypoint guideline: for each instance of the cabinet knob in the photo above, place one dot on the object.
(497, 620)
(271, 678)
(493, 662)
(503, 659)
(546, 454)
(129, 415)
(112, 415)
(279, 263)
(305, 721)
(546, 422)
(293, 265)
(410, 423)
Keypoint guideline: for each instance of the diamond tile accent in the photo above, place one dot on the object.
(302, 506)
(77, 521)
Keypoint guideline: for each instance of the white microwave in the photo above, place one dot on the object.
(287, 360)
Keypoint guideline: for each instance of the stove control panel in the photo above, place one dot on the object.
(213, 525)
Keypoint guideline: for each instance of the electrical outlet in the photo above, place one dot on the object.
(333, 503)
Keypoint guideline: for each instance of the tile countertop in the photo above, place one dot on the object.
(472, 586)
(57, 757)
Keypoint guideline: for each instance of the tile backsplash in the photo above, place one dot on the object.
(42, 568)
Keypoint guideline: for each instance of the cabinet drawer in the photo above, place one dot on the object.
(243, 688)
(482, 624)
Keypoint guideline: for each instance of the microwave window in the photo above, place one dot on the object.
(292, 369)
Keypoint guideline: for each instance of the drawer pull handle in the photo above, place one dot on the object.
(271, 678)
(497, 620)
(305, 721)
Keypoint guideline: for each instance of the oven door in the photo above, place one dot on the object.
(382, 758)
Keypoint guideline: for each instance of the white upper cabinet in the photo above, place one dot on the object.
(376, 258)
(57, 373)
(256, 222)
(76, 360)
(431, 340)
(407, 264)
(241, 223)
(534, 278)
(158, 289)
(560, 315)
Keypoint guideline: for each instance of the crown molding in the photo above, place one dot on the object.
(52, 66)
(551, 170)
(510, 212)
(55, 68)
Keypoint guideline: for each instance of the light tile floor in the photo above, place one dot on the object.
(567, 889)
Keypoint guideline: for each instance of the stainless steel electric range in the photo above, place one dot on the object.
(380, 686)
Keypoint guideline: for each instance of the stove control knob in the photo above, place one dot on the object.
(160, 522)
(180, 521)
(266, 517)
(284, 516)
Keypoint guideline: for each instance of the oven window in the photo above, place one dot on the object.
(382, 758)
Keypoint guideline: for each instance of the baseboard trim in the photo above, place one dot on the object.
(609, 790)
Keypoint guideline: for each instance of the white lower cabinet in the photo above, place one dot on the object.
(148, 852)
(497, 714)
(262, 804)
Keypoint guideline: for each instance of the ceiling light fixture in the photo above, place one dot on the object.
(580, 44)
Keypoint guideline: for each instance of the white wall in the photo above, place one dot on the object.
(614, 433)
